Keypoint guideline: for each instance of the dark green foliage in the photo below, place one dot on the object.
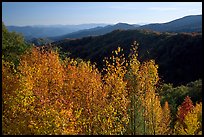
(180, 56)
(192, 89)
(176, 95)
(13, 45)
(177, 55)
(40, 41)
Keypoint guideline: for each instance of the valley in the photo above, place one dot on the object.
(64, 75)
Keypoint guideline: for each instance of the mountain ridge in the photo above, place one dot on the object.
(95, 31)
(169, 50)
(190, 23)
(183, 24)
(40, 31)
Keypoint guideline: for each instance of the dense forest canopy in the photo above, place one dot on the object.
(177, 54)
(45, 91)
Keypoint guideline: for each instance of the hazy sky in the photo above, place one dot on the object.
(50, 13)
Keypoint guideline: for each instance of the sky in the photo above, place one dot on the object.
(72, 13)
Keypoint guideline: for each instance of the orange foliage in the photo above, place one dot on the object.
(53, 96)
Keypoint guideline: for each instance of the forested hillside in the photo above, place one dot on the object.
(47, 92)
(177, 54)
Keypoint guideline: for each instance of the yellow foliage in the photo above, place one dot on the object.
(142, 80)
(166, 120)
(47, 95)
(192, 123)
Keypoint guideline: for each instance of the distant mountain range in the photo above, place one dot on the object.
(96, 31)
(191, 23)
(186, 24)
(41, 31)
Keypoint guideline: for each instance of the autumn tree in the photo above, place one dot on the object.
(83, 86)
(166, 120)
(152, 111)
(136, 119)
(10, 83)
(49, 95)
(189, 118)
(114, 118)
(145, 110)
(38, 106)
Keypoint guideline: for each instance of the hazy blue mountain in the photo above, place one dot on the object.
(39, 31)
(96, 31)
(136, 25)
(191, 23)
(80, 26)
